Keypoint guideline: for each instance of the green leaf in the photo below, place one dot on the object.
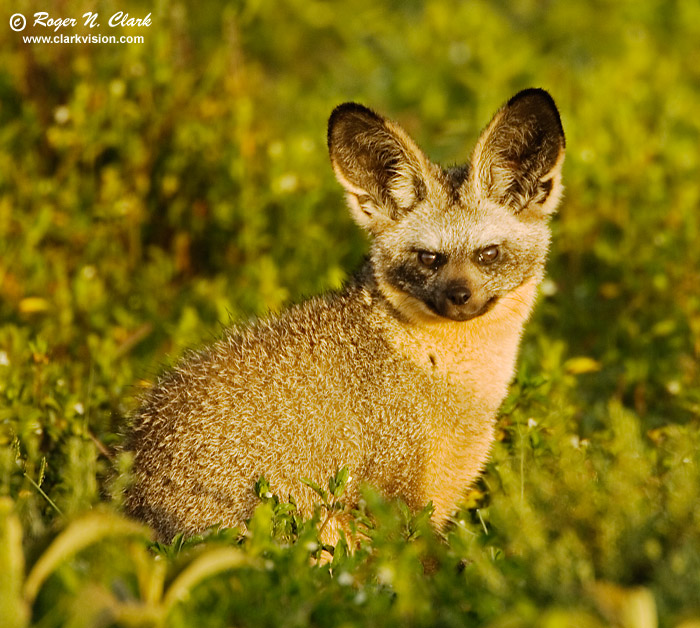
(336, 483)
(314, 486)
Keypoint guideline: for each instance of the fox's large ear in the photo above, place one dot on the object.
(518, 158)
(376, 162)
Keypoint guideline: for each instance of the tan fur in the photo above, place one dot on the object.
(400, 375)
(482, 374)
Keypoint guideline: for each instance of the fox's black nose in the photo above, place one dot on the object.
(459, 295)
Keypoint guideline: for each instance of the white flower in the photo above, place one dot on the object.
(61, 114)
(345, 579)
(674, 387)
(311, 546)
(385, 574)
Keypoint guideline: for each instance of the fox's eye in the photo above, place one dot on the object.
(428, 258)
(488, 255)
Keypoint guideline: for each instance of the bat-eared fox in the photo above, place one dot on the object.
(398, 376)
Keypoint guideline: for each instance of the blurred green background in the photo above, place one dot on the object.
(151, 193)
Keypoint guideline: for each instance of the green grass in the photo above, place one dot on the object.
(151, 193)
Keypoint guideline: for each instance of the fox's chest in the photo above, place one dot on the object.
(478, 355)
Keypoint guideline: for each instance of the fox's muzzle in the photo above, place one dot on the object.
(457, 302)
